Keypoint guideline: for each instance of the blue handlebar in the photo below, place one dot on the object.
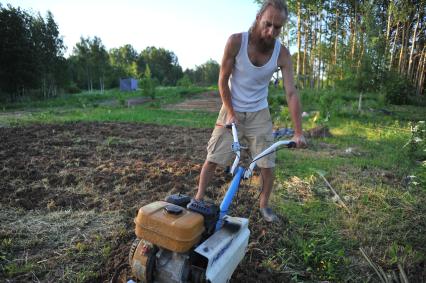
(227, 200)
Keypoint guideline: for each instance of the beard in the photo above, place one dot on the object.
(266, 43)
(262, 43)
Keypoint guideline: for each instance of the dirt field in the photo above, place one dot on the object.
(69, 194)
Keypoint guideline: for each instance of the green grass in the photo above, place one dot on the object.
(170, 95)
(13, 269)
(368, 163)
(116, 114)
(316, 244)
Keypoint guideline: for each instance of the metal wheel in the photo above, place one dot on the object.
(132, 250)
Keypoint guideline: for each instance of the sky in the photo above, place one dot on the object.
(195, 30)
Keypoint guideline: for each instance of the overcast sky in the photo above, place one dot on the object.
(195, 30)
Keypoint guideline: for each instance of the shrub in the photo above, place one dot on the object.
(417, 151)
(397, 89)
(417, 141)
(276, 102)
(418, 100)
(72, 88)
(284, 117)
(148, 87)
(330, 103)
(184, 81)
(148, 84)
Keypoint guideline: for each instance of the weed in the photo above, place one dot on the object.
(417, 142)
(12, 269)
(81, 247)
(315, 247)
(110, 141)
(6, 244)
(106, 251)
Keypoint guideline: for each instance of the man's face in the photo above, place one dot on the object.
(269, 25)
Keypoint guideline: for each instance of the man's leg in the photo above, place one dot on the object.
(206, 175)
(267, 182)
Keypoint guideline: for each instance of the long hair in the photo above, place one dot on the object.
(280, 5)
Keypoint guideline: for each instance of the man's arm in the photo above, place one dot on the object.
(293, 101)
(231, 50)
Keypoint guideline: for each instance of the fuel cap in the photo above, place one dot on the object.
(173, 209)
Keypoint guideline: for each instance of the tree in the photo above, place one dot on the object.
(100, 61)
(164, 65)
(148, 86)
(31, 53)
(126, 62)
(90, 63)
(357, 44)
(207, 73)
(48, 48)
(15, 52)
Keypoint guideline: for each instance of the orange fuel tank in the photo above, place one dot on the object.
(169, 226)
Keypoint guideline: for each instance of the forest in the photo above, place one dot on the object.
(364, 46)
(32, 62)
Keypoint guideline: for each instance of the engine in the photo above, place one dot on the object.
(176, 242)
(167, 233)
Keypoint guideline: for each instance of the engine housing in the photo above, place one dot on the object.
(169, 226)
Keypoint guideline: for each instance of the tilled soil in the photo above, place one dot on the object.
(114, 168)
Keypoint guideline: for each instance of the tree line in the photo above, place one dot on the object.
(366, 46)
(363, 45)
(31, 53)
(32, 62)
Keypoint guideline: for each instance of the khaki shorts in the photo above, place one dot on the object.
(254, 131)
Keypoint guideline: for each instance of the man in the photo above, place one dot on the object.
(248, 63)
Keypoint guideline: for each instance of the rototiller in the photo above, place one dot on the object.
(183, 240)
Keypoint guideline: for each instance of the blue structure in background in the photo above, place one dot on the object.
(128, 84)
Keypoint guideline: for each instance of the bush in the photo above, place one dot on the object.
(397, 89)
(148, 87)
(417, 141)
(330, 102)
(276, 102)
(418, 100)
(184, 81)
(367, 78)
(417, 151)
(72, 88)
(285, 117)
(148, 83)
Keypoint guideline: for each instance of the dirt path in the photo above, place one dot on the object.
(69, 194)
(208, 101)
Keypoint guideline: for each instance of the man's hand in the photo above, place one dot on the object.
(300, 141)
(230, 118)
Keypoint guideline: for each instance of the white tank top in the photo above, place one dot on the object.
(248, 83)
